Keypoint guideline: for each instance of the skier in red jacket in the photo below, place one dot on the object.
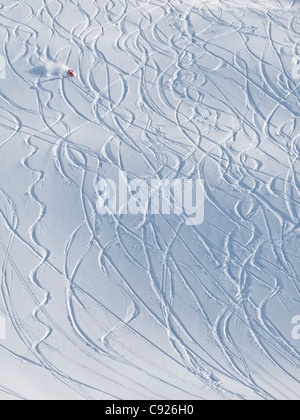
(71, 73)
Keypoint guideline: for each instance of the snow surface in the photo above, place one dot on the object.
(132, 307)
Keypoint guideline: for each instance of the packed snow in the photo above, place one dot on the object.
(147, 306)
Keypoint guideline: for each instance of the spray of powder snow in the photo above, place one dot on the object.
(51, 69)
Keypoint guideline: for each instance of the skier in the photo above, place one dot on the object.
(71, 73)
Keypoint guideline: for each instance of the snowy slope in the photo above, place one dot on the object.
(133, 307)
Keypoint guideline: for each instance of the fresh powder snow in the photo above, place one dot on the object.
(150, 199)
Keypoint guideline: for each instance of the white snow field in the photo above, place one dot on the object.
(124, 306)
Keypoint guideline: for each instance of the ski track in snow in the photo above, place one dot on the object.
(146, 308)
